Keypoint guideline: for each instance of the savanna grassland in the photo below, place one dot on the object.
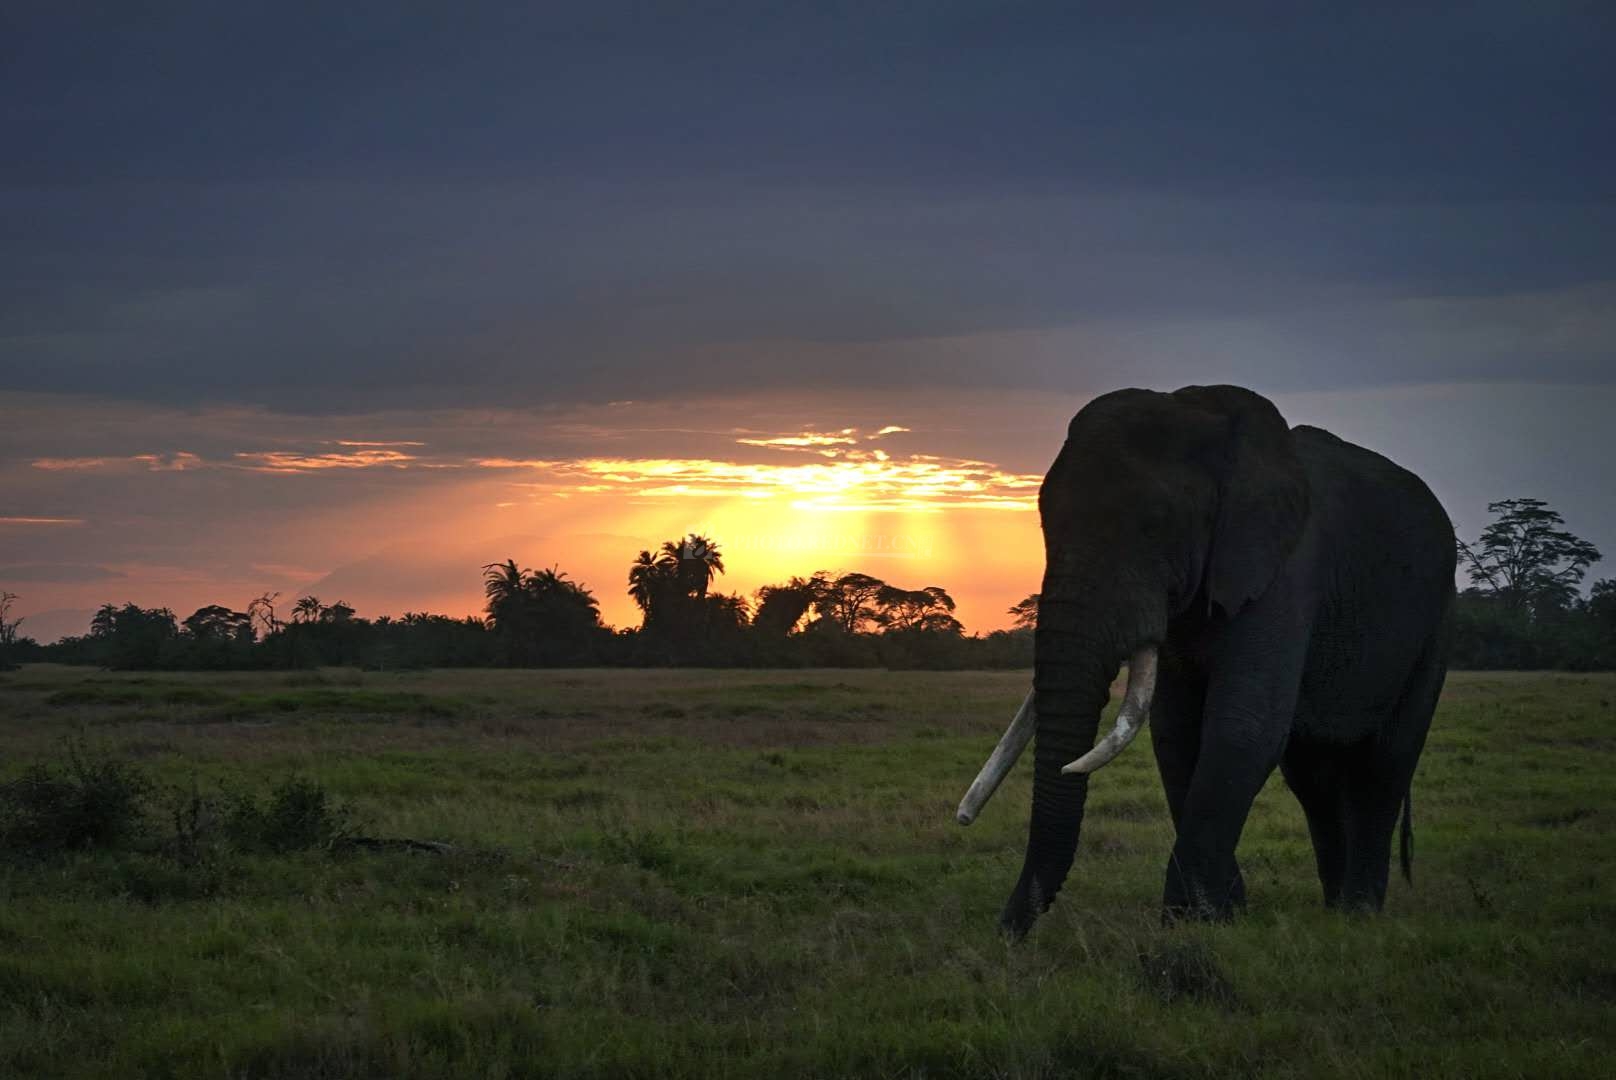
(709, 874)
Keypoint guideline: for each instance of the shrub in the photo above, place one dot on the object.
(298, 816)
(87, 803)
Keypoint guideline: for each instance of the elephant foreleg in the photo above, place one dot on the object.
(1245, 723)
(1175, 736)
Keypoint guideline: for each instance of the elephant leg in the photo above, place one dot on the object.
(1314, 774)
(1373, 794)
(1379, 782)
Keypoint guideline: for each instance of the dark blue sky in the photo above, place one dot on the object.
(339, 206)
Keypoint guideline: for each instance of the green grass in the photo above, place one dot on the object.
(710, 874)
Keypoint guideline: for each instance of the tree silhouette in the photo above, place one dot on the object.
(849, 601)
(1602, 606)
(8, 625)
(133, 637)
(670, 587)
(262, 612)
(929, 609)
(104, 621)
(726, 615)
(307, 609)
(219, 623)
(699, 561)
(1526, 559)
(337, 613)
(8, 628)
(541, 616)
(652, 583)
(1025, 612)
(503, 583)
(562, 605)
(782, 608)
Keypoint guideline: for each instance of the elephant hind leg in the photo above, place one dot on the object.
(1374, 794)
(1314, 774)
(1378, 787)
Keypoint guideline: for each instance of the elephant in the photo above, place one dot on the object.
(1281, 596)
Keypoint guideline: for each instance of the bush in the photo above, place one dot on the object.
(106, 803)
(298, 816)
(87, 803)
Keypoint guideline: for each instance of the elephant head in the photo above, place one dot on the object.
(1157, 505)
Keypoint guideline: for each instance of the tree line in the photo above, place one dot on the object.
(542, 618)
(1523, 609)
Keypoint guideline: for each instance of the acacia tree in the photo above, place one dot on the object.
(1526, 558)
(219, 623)
(849, 601)
(931, 608)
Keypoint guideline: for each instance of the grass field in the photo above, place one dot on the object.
(709, 874)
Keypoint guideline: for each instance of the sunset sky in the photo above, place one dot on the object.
(350, 300)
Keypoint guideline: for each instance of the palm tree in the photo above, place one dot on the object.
(105, 621)
(565, 611)
(671, 585)
(648, 576)
(307, 609)
(509, 608)
(699, 561)
(503, 584)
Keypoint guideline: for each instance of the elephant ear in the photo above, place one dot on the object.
(1262, 496)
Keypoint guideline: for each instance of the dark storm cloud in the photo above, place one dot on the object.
(343, 206)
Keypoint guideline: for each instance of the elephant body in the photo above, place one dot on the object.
(1332, 674)
(1297, 591)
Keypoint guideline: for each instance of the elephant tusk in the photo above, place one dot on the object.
(1011, 744)
(1130, 718)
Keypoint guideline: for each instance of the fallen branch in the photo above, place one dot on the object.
(438, 847)
(400, 843)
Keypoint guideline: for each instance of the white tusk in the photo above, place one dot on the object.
(1011, 744)
(1130, 718)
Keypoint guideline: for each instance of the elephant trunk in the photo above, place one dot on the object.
(1074, 664)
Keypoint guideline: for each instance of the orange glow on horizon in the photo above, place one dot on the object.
(413, 534)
